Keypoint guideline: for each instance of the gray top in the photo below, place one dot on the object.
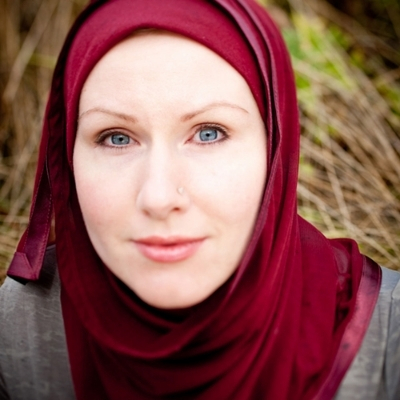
(375, 372)
(34, 361)
(33, 351)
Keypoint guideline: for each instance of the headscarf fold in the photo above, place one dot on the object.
(288, 322)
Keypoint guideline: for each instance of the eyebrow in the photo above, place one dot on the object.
(190, 115)
(110, 112)
(185, 117)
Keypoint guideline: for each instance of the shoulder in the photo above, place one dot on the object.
(390, 309)
(375, 372)
(33, 353)
(21, 305)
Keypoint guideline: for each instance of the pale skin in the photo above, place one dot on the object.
(170, 146)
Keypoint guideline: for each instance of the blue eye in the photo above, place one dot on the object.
(208, 134)
(119, 139)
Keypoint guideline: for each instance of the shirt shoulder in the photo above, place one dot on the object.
(33, 354)
(375, 372)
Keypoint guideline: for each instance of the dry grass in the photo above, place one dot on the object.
(350, 100)
(31, 35)
(350, 106)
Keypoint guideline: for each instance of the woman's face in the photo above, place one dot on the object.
(170, 166)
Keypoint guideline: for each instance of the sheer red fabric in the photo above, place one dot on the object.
(275, 329)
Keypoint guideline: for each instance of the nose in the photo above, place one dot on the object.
(162, 191)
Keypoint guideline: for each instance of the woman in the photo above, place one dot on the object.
(169, 158)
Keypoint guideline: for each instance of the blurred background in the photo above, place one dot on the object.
(346, 57)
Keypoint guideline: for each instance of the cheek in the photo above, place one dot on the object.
(103, 195)
(233, 185)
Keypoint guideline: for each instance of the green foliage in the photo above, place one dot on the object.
(350, 165)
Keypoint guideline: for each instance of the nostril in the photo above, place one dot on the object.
(159, 198)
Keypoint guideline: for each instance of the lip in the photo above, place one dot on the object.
(168, 249)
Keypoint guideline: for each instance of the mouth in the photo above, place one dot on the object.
(168, 249)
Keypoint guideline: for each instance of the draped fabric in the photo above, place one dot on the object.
(275, 328)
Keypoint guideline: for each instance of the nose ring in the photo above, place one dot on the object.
(180, 190)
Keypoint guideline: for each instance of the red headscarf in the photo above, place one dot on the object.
(290, 320)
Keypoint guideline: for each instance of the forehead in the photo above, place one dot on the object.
(161, 65)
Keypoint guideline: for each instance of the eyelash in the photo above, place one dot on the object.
(100, 140)
(218, 128)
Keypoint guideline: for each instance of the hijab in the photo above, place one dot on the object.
(289, 321)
